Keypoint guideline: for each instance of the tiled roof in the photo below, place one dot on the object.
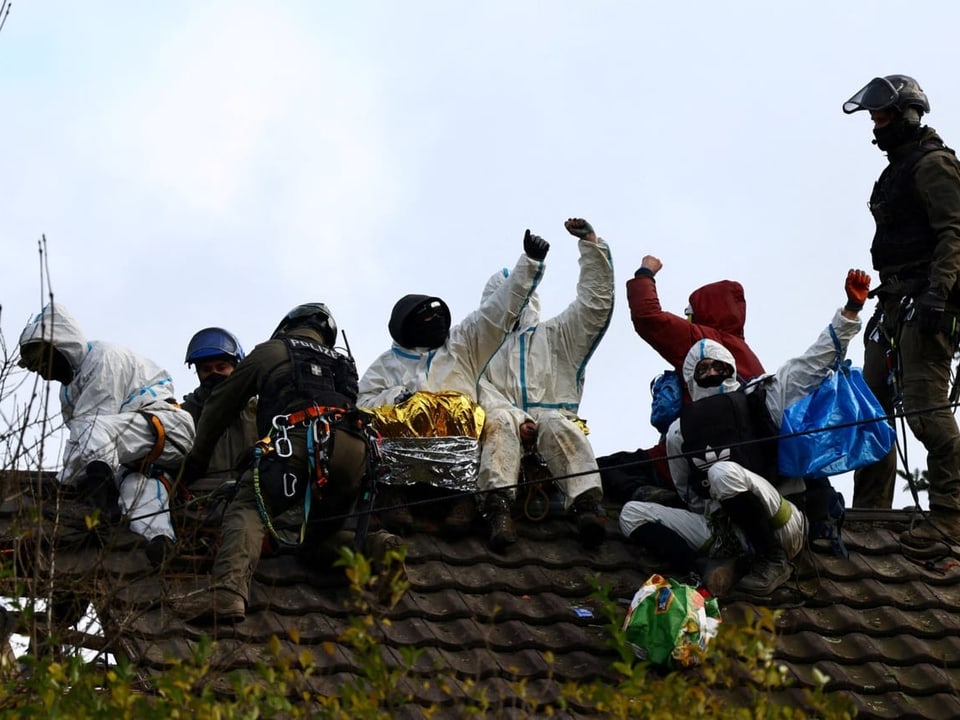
(885, 630)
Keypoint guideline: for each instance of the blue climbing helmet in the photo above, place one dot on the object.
(213, 342)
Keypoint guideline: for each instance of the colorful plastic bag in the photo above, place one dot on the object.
(670, 623)
(844, 404)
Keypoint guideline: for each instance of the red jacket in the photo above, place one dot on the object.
(719, 311)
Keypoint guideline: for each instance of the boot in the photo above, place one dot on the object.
(204, 607)
(667, 545)
(394, 516)
(160, 551)
(770, 567)
(938, 530)
(459, 518)
(502, 531)
(590, 525)
(718, 575)
(769, 571)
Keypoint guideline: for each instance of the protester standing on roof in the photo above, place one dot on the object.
(428, 355)
(126, 432)
(215, 352)
(532, 390)
(317, 454)
(724, 470)
(916, 251)
(717, 311)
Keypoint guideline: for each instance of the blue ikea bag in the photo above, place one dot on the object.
(833, 425)
(667, 392)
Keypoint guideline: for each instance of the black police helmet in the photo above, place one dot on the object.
(893, 91)
(314, 315)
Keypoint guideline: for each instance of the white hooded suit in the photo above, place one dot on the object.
(538, 375)
(106, 408)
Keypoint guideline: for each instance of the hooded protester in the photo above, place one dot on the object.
(429, 355)
(915, 204)
(316, 454)
(723, 459)
(126, 432)
(532, 389)
(717, 311)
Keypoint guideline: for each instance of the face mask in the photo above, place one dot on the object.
(430, 334)
(712, 373)
(893, 135)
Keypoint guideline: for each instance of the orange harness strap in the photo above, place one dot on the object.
(160, 438)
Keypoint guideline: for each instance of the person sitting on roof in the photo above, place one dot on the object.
(531, 392)
(723, 459)
(316, 454)
(716, 311)
(126, 432)
(214, 353)
(429, 358)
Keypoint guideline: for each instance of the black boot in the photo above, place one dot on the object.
(667, 545)
(770, 568)
(502, 531)
(591, 525)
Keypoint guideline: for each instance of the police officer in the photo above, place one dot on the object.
(215, 353)
(916, 252)
(307, 399)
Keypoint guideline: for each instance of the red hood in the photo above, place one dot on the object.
(720, 305)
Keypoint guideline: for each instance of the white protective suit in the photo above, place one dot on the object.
(538, 375)
(103, 409)
(792, 381)
(456, 365)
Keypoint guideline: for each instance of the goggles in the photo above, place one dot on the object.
(717, 368)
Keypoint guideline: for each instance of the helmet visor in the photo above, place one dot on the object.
(877, 94)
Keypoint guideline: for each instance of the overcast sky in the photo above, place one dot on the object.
(216, 163)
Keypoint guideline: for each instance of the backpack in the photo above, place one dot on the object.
(667, 392)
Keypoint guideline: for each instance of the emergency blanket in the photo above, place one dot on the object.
(839, 427)
(670, 623)
(452, 463)
(426, 414)
(431, 438)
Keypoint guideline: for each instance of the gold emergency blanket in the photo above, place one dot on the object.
(427, 414)
(431, 438)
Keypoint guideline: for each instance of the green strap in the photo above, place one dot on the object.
(782, 516)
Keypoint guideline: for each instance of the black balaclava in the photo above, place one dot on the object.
(420, 321)
(902, 129)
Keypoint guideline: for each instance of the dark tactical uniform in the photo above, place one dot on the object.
(291, 373)
(233, 446)
(916, 205)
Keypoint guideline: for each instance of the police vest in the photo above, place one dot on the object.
(730, 426)
(903, 236)
(318, 375)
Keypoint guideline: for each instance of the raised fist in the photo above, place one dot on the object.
(857, 286)
(578, 227)
(535, 246)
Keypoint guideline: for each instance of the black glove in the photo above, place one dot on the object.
(930, 308)
(535, 246)
(578, 227)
